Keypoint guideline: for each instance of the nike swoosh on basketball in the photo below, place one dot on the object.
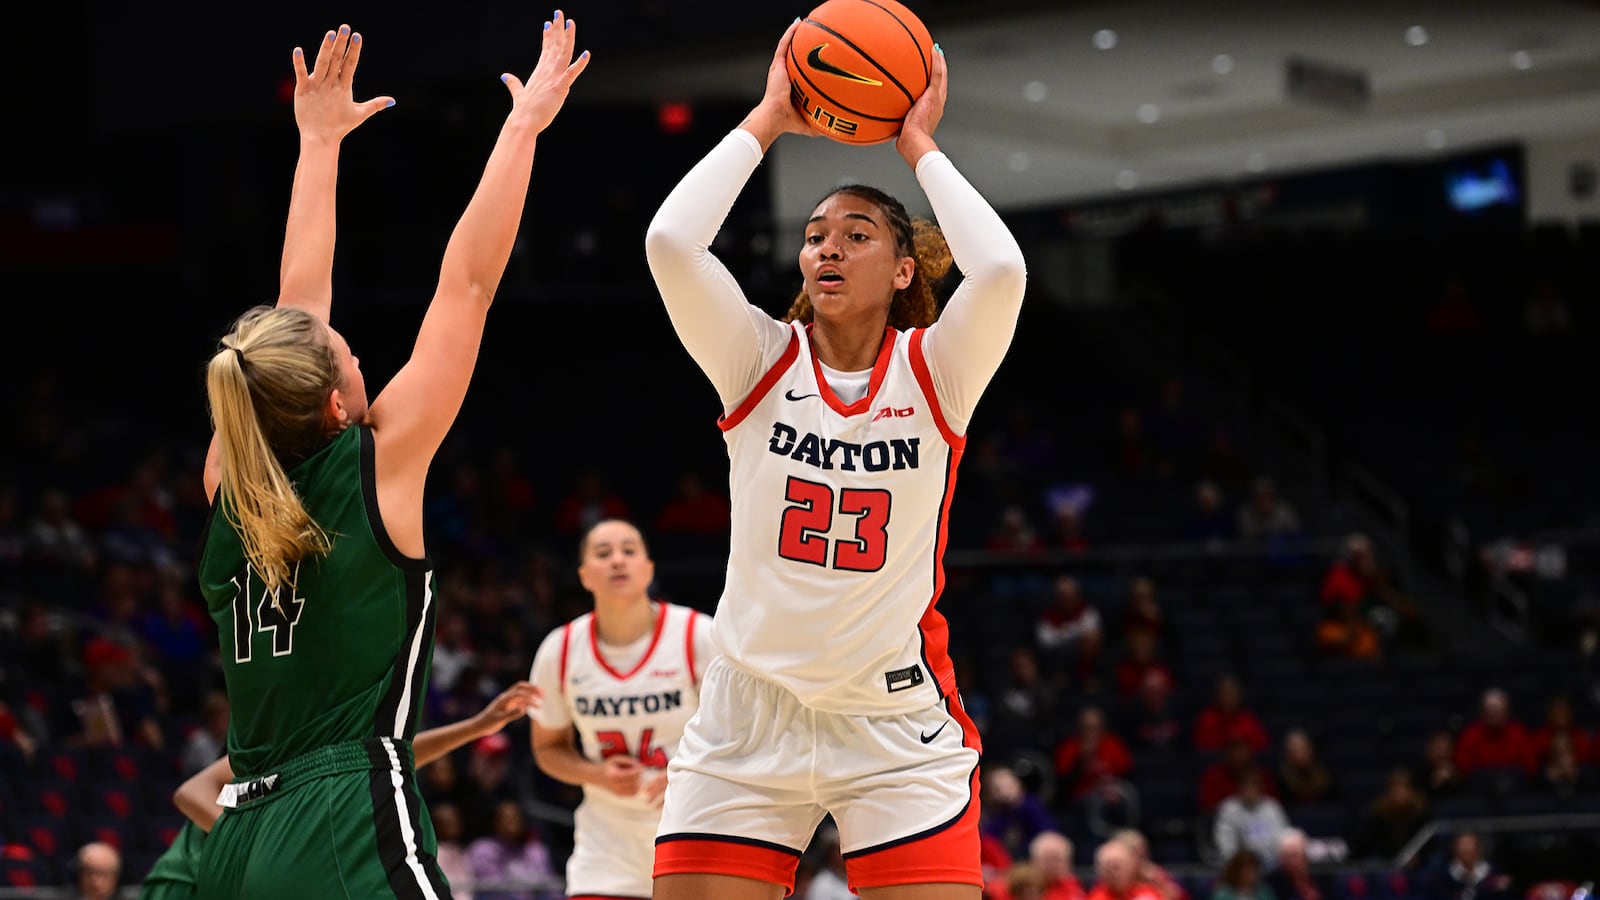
(928, 738)
(789, 395)
(815, 60)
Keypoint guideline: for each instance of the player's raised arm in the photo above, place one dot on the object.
(416, 409)
(324, 111)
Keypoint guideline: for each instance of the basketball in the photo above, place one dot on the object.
(856, 66)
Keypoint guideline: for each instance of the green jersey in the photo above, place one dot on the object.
(176, 873)
(343, 652)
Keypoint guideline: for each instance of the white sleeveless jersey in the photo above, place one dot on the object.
(838, 530)
(638, 713)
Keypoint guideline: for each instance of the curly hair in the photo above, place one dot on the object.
(917, 304)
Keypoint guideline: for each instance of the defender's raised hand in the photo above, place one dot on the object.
(540, 98)
(323, 105)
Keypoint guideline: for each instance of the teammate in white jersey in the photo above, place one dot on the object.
(835, 691)
(624, 679)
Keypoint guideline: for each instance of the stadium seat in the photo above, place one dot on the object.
(49, 795)
(48, 835)
(118, 832)
(24, 873)
(104, 796)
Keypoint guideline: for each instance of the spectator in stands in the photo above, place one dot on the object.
(1250, 820)
(1152, 721)
(1241, 878)
(996, 864)
(591, 499)
(1222, 779)
(1148, 871)
(452, 851)
(1559, 720)
(695, 511)
(1145, 613)
(509, 508)
(1221, 461)
(1116, 872)
(1495, 740)
(453, 652)
(1142, 656)
(1013, 814)
(1014, 534)
(1437, 775)
(1068, 532)
(1068, 634)
(1132, 453)
(1302, 776)
(15, 733)
(1210, 521)
(1357, 579)
(1092, 758)
(1176, 429)
(1293, 878)
(178, 637)
(1227, 719)
(1023, 881)
(1050, 854)
(209, 741)
(97, 871)
(118, 705)
(1022, 707)
(512, 852)
(1343, 633)
(488, 783)
(56, 540)
(1465, 874)
(1561, 771)
(1268, 515)
(1392, 818)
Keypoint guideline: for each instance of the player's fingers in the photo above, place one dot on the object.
(576, 69)
(941, 70)
(341, 46)
(324, 55)
(783, 42)
(512, 83)
(300, 73)
(371, 107)
(347, 72)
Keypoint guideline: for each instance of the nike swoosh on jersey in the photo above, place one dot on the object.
(928, 738)
(789, 395)
(815, 60)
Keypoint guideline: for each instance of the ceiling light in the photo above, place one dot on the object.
(1034, 91)
(1436, 139)
(1018, 162)
(1149, 113)
(1127, 179)
(1522, 60)
(1256, 162)
(1105, 39)
(1222, 64)
(1416, 35)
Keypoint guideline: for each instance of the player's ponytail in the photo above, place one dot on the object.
(267, 386)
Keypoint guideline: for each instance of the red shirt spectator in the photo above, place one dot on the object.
(1117, 875)
(1141, 660)
(1495, 740)
(694, 509)
(1226, 720)
(1559, 720)
(1221, 779)
(591, 500)
(1092, 756)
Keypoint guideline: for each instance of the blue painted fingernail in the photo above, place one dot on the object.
(344, 29)
(299, 52)
(389, 104)
(938, 49)
(569, 23)
(504, 78)
(355, 38)
(584, 54)
(547, 26)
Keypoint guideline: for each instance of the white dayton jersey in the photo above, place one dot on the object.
(631, 700)
(838, 530)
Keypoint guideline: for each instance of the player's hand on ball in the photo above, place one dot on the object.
(541, 97)
(324, 107)
(776, 102)
(916, 132)
(654, 787)
(622, 775)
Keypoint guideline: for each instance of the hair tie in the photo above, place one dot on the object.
(239, 353)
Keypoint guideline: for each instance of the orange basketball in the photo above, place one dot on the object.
(856, 66)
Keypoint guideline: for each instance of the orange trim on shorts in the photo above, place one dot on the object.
(945, 854)
(710, 854)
